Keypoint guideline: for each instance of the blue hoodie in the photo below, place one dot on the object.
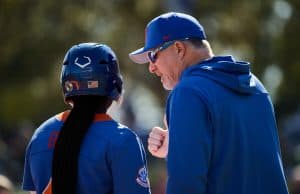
(222, 132)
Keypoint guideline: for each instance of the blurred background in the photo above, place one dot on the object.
(35, 35)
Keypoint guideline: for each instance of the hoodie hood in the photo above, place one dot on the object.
(229, 73)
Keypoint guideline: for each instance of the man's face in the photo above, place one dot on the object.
(167, 67)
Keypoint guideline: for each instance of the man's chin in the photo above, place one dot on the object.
(168, 86)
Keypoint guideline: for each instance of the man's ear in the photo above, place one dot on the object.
(180, 48)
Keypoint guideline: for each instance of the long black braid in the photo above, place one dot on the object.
(72, 133)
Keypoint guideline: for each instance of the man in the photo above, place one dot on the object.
(222, 136)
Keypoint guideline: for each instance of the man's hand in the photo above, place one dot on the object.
(158, 141)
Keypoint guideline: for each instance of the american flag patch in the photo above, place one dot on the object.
(93, 84)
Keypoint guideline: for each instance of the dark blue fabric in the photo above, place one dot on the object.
(223, 134)
(112, 160)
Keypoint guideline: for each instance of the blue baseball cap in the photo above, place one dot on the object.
(167, 27)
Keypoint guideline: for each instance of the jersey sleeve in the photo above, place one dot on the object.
(128, 165)
(189, 142)
(27, 183)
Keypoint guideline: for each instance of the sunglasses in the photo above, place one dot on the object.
(152, 55)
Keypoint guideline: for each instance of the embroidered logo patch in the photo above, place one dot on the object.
(142, 178)
(83, 65)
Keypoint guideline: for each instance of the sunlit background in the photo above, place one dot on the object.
(35, 35)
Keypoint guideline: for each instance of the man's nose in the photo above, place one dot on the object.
(152, 67)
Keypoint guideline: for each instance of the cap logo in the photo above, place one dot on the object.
(166, 37)
(85, 64)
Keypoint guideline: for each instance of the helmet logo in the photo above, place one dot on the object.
(85, 64)
(68, 86)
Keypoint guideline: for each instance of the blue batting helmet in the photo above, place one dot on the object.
(91, 69)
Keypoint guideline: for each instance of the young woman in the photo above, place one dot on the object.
(83, 150)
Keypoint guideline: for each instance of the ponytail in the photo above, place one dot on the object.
(72, 133)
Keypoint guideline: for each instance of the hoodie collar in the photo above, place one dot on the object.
(226, 71)
(218, 63)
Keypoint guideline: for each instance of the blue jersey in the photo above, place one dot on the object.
(111, 160)
(222, 132)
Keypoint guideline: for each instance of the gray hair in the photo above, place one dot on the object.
(200, 44)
